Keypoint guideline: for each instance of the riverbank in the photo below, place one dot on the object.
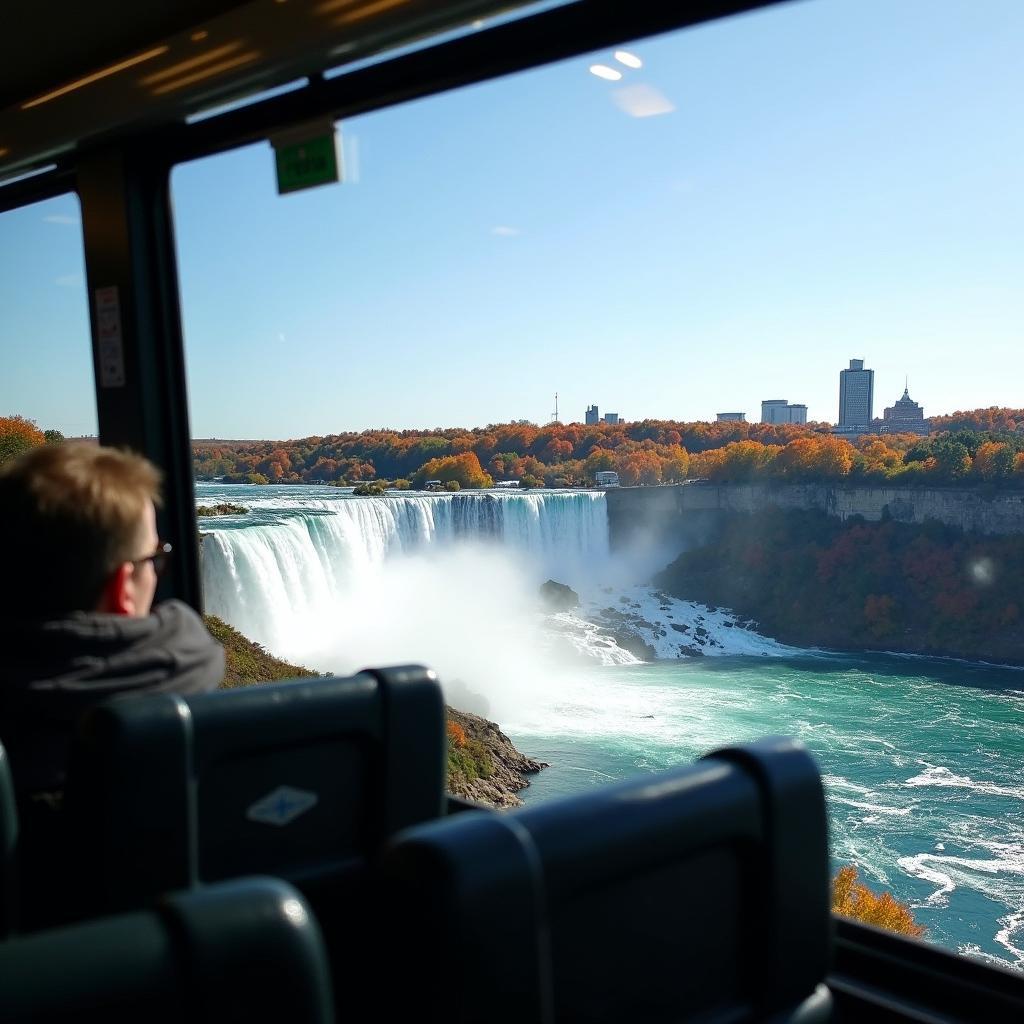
(813, 581)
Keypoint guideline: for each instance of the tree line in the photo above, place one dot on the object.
(647, 452)
(983, 447)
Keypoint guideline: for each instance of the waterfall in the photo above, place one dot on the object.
(290, 563)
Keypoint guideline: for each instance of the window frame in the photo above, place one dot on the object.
(877, 976)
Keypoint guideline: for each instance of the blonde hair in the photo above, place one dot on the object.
(69, 515)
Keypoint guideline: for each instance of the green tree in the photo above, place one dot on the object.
(952, 459)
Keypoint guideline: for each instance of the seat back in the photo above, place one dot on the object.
(243, 952)
(8, 848)
(295, 779)
(699, 893)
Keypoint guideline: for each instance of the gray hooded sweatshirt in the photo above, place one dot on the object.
(52, 671)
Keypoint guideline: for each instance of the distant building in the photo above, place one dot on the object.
(778, 410)
(606, 478)
(610, 417)
(905, 417)
(731, 417)
(593, 417)
(856, 397)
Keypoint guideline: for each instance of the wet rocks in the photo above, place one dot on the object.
(557, 597)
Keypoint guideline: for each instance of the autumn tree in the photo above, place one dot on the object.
(810, 458)
(993, 461)
(501, 465)
(17, 435)
(639, 468)
(675, 465)
(877, 459)
(598, 460)
(464, 469)
(855, 900)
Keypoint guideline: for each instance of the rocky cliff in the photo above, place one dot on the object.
(501, 770)
(688, 513)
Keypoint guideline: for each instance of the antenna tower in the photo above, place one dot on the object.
(554, 415)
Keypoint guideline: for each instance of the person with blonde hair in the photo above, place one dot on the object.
(77, 620)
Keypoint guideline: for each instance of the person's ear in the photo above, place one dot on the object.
(118, 597)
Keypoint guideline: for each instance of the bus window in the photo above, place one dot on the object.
(788, 215)
(46, 388)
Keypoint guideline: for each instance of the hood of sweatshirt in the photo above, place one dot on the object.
(55, 669)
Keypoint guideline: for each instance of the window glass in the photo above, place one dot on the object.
(47, 377)
(661, 399)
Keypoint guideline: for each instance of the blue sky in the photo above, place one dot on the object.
(835, 179)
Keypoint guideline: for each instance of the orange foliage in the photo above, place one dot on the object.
(464, 469)
(992, 418)
(456, 735)
(639, 468)
(993, 461)
(643, 452)
(852, 899)
(809, 458)
(17, 435)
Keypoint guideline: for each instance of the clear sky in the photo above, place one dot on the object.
(825, 180)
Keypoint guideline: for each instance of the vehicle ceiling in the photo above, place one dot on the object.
(76, 76)
(72, 72)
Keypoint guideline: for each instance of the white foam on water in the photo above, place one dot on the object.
(675, 628)
(874, 808)
(940, 776)
(587, 639)
(838, 782)
(918, 867)
(999, 877)
(1012, 928)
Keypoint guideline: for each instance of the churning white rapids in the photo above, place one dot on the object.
(921, 758)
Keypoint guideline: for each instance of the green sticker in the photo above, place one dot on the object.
(307, 164)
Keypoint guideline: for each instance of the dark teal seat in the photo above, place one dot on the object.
(697, 894)
(303, 780)
(243, 952)
(8, 849)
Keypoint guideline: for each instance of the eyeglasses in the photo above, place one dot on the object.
(160, 558)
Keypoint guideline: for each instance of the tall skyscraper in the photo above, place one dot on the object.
(856, 395)
(778, 410)
(592, 415)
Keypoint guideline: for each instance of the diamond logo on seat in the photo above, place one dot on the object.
(281, 806)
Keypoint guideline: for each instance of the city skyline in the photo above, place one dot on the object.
(775, 411)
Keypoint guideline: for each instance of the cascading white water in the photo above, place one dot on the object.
(332, 580)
